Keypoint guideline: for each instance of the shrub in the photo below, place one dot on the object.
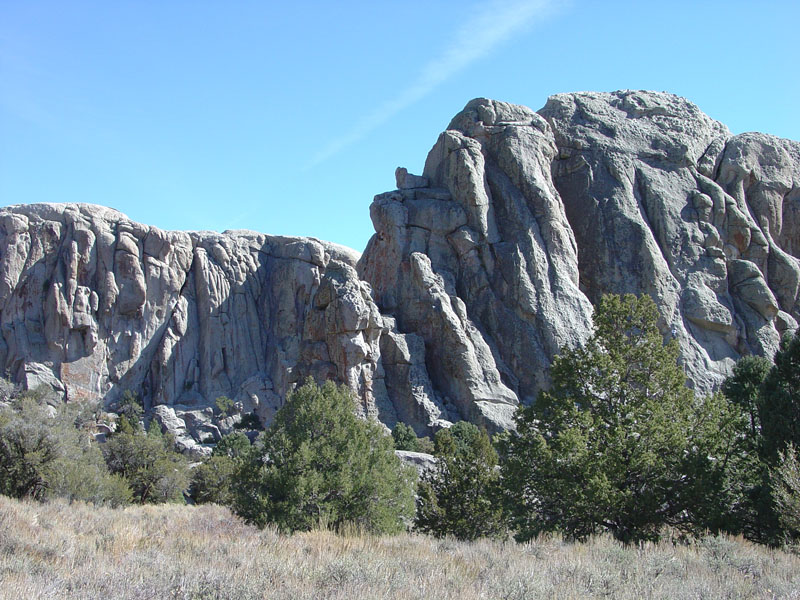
(79, 472)
(43, 455)
(750, 509)
(319, 464)
(224, 405)
(786, 490)
(212, 481)
(743, 387)
(459, 496)
(153, 469)
(405, 438)
(769, 395)
(130, 412)
(233, 445)
(249, 422)
(28, 448)
(780, 400)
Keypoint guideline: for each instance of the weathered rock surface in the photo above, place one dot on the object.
(94, 304)
(421, 461)
(481, 269)
(521, 218)
(665, 201)
(481, 263)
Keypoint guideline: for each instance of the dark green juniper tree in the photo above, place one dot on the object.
(768, 394)
(460, 495)
(785, 487)
(749, 507)
(780, 400)
(405, 438)
(781, 434)
(619, 443)
(214, 479)
(318, 464)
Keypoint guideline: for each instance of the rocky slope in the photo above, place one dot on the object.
(480, 270)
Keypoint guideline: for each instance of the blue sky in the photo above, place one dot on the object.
(288, 118)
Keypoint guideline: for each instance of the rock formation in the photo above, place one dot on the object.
(665, 201)
(481, 269)
(478, 259)
(94, 304)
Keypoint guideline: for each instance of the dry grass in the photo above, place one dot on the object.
(60, 551)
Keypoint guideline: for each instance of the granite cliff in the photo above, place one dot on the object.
(480, 270)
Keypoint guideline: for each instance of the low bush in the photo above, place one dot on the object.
(319, 464)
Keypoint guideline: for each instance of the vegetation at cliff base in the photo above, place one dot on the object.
(405, 438)
(618, 445)
(460, 495)
(319, 464)
(48, 450)
(45, 453)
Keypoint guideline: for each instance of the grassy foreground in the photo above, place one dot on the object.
(60, 551)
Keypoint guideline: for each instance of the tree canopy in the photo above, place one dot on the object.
(460, 495)
(318, 464)
(619, 443)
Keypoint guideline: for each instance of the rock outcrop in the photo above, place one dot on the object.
(477, 259)
(94, 304)
(665, 201)
(481, 269)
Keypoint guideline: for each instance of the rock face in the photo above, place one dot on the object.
(481, 269)
(94, 304)
(478, 260)
(665, 201)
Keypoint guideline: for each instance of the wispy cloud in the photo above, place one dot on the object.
(496, 22)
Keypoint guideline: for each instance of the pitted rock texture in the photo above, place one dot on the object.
(480, 271)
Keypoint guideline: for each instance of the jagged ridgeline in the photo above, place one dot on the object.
(480, 270)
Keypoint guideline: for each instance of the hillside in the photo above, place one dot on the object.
(60, 551)
(481, 269)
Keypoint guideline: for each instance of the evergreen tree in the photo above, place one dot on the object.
(780, 400)
(749, 507)
(459, 496)
(130, 413)
(405, 438)
(154, 470)
(743, 387)
(28, 448)
(43, 454)
(213, 480)
(619, 443)
(786, 491)
(318, 464)
(768, 394)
